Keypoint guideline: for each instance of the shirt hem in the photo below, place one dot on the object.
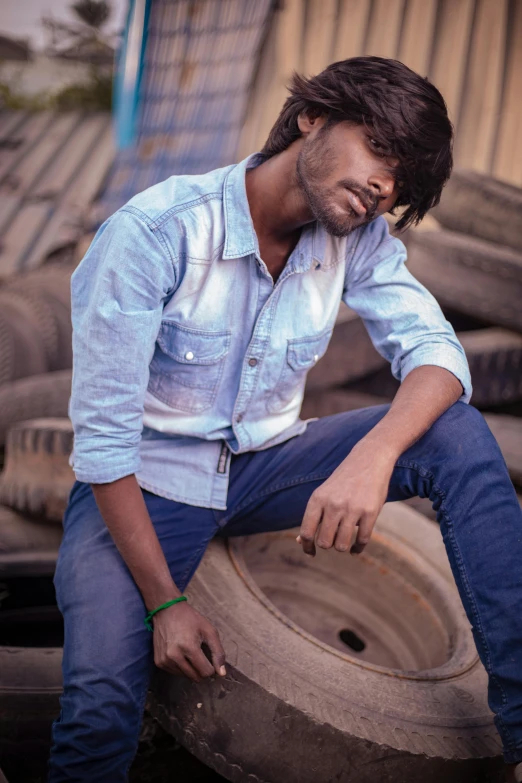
(179, 498)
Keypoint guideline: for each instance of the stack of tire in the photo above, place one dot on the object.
(35, 379)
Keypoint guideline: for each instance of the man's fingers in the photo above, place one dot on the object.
(200, 662)
(186, 666)
(217, 652)
(177, 663)
(364, 533)
(345, 534)
(169, 666)
(328, 529)
(309, 525)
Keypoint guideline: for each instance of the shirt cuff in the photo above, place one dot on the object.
(103, 470)
(447, 357)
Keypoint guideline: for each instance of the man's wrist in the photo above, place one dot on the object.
(157, 596)
(381, 450)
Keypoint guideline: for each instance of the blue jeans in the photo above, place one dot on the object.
(108, 651)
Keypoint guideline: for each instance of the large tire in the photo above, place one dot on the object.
(484, 207)
(22, 346)
(27, 548)
(35, 397)
(41, 315)
(471, 276)
(495, 362)
(37, 478)
(30, 674)
(295, 707)
(7, 351)
(350, 354)
(50, 287)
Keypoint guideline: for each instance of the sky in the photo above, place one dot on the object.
(21, 18)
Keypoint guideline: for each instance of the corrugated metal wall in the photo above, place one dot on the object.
(470, 49)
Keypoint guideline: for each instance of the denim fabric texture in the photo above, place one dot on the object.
(108, 651)
(185, 351)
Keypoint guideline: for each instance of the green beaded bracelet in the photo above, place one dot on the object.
(151, 614)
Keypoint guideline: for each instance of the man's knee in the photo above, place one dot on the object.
(463, 434)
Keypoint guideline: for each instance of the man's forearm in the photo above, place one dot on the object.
(124, 511)
(423, 396)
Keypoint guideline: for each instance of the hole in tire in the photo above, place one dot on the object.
(352, 640)
(29, 616)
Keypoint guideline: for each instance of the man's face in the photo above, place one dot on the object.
(346, 180)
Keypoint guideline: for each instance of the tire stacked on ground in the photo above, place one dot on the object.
(35, 323)
(482, 207)
(36, 397)
(37, 477)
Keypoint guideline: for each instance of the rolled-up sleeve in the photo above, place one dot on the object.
(117, 294)
(404, 321)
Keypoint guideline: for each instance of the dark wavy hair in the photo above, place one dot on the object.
(406, 113)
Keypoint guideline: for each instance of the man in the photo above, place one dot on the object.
(197, 311)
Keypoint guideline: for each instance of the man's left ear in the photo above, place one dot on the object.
(309, 119)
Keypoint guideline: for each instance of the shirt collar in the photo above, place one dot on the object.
(240, 235)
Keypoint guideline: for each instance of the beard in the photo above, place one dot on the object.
(315, 163)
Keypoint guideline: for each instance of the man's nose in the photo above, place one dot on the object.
(381, 184)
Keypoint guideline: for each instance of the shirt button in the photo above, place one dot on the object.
(239, 417)
(252, 362)
(189, 356)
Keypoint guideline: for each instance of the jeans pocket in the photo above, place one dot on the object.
(302, 354)
(187, 366)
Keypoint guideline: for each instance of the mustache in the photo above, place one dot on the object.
(369, 200)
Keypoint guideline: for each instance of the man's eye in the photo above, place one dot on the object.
(377, 147)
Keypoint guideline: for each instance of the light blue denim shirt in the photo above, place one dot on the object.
(185, 351)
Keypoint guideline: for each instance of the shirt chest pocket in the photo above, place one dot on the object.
(187, 366)
(302, 354)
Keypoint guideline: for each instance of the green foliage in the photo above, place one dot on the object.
(10, 98)
(94, 95)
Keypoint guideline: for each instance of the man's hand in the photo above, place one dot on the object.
(348, 502)
(351, 499)
(179, 632)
